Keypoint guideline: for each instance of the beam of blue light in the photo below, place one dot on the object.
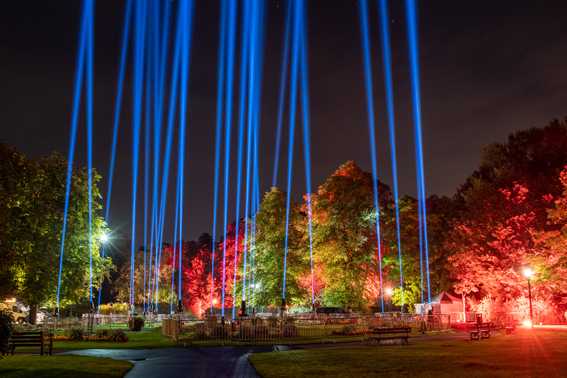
(281, 101)
(174, 244)
(116, 119)
(304, 80)
(411, 18)
(167, 156)
(218, 135)
(78, 84)
(244, 72)
(147, 149)
(136, 125)
(389, 89)
(185, 60)
(292, 115)
(363, 13)
(231, 23)
(256, 208)
(89, 125)
(160, 51)
(253, 117)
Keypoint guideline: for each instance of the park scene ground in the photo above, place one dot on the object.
(251, 188)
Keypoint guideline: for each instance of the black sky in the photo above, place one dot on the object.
(488, 68)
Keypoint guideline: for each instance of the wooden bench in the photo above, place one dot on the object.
(41, 339)
(480, 331)
(376, 335)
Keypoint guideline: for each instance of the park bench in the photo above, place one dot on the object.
(480, 331)
(41, 339)
(377, 335)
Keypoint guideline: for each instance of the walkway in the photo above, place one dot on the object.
(229, 362)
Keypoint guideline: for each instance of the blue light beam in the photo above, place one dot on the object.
(363, 13)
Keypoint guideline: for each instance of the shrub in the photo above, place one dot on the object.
(76, 334)
(5, 330)
(114, 308)
(119, 336)
(103, 333)
(136, 324)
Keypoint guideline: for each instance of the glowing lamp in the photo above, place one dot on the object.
(104, 238)
(527, 323)
(388, 291)
(215, 301)
(528, 272)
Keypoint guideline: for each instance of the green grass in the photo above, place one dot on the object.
(527, 353)
(146, 339)
(62, 366)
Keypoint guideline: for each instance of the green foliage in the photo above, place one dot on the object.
(76, 334)
(136, 324)
(119, 336)
(32, 196)
(343, 235)
(269, 252)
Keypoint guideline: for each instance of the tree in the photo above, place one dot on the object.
(344, 238)
(32, 196)
(269, 253)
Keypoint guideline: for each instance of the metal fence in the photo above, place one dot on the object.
(306, 327)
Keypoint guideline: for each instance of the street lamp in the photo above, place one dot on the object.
(528, 273)
(388, 296)
(104, 238)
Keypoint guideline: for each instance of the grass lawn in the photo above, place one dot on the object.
(526, 353)
(62, 366)
(145, 339)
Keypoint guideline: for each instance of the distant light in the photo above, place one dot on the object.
(528, 272)
(104, 238)
(215, 301)
(527, 323)
(389, 291)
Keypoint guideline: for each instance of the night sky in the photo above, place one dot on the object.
(488, 68)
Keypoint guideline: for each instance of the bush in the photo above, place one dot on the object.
(5, 330)
(76, 334)
(119, 336)
(114, 308)
(103, 334)
(136, 324)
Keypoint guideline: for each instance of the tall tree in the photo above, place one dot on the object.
(32, 193)
(269, 253)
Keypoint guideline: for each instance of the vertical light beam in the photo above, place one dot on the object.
(389, 89)
(79, 74)
(363, 13)
(218, 136)
(411, 19)
(281, 101)
(117, 113)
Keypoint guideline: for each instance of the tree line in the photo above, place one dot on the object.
(511, 212)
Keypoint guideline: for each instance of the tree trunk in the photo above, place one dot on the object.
(33, 314)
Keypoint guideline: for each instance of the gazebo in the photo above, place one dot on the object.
(443, 304)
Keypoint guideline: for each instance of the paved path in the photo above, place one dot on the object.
(229, 362)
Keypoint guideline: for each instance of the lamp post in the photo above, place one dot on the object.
(528, 273)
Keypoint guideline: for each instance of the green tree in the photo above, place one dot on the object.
(269, 253)
(33, 200)
(344, 237)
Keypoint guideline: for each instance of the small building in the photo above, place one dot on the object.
(445, 305)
